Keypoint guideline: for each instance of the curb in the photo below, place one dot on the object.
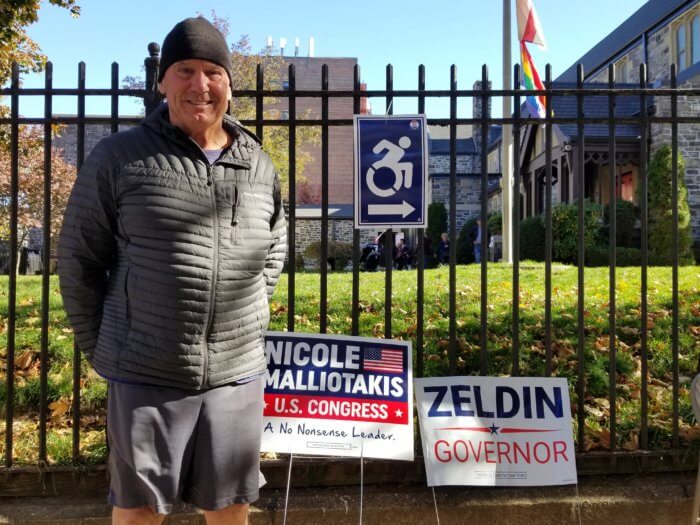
(659, 499)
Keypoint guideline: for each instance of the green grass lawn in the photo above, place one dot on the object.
(404, 322)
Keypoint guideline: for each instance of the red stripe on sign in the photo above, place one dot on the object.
(383, 360)
(338, 408)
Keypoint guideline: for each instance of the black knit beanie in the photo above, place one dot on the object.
(195, 38)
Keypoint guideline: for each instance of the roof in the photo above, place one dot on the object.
(626, 106)
(630, 30)
(464, 131)
(442, 146)
(494, 136)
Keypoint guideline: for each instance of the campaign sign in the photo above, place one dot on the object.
(504, 431)
(334, 395)
(391, 171)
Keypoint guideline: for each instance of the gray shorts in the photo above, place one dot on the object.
(169, 445)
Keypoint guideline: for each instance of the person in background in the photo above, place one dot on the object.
(476, 239)
(173, 240)
(444, 249)
(403, 255)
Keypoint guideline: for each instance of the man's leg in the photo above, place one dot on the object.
(138, 516)
(225, 471)
(232, 515)
(150, 436)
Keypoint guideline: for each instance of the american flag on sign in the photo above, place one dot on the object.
(383, 360)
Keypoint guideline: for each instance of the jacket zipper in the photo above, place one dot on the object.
(126, 294)
(214, 277)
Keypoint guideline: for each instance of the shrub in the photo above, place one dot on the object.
(437, 223)
(465, 245)
(339, 253)
(599, 255)
(661, 210)
(565, 230)
(532, 238)
(495, 224)
(626, 214)
(298, 262)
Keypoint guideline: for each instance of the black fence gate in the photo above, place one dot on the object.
(671, 456)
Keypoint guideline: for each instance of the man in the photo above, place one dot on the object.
(173, 240)
(444, 249)
(476, 239)
(403, 255)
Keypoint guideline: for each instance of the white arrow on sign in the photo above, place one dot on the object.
(404, 209)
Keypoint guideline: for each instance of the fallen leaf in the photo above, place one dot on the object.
(604, 438)
(25, 360)
(633, 443)
(593, 411)
(59, 408)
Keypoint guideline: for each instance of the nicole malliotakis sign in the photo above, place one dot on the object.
(338, 396)
(496, 431)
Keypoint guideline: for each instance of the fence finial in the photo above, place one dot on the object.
(152, 97)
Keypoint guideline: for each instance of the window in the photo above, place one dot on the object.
(695, 39)
(621, 71)
(686, 40)
(681, 54)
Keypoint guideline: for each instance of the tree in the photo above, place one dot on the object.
(15, 45)
(660, 208)
(275, 138)
(30, 201)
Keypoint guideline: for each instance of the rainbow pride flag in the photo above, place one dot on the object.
(531, 81)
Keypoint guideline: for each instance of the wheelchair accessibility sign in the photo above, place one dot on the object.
(391, 171)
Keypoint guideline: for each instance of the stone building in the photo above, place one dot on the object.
(468, 169)
(660, 33)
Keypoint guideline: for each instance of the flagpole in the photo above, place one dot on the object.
(506, 137)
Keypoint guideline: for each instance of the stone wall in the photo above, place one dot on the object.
(495, 202)
(440, 164)
(341, 230)
(688, 146)
(468, 195)
(67, 139)
(633, 58)
(659, 60)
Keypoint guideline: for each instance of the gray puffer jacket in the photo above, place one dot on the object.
(166, 264)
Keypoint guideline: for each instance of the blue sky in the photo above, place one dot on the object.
(405, 33)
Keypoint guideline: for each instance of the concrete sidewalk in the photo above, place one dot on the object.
(638, 499)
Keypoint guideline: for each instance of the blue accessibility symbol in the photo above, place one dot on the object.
(390, 171)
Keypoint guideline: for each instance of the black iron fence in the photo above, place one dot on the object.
(671, 456)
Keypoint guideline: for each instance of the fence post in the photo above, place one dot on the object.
(152, 97)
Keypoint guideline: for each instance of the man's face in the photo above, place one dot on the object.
(198, 92)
